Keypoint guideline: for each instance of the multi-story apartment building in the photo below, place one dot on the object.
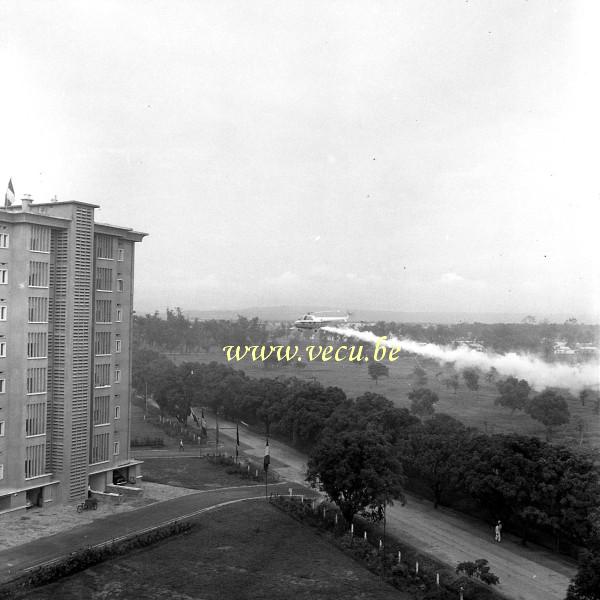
(66, 290)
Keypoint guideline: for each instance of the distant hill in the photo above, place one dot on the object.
(291, 313)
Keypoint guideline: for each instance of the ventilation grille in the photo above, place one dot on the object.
(81, 346)
(56, 351)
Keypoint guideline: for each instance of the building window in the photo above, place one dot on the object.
(119, 285)
(3, 276)
(36, 380)
(35, 460)
(1, 471)
(102, 342)
(117, 345)
(3, 240)
(100, 447)
(3, 311)
(119, 316)
(40, 238)
(2, 428)
(2, 349)
(117, 412)
(38, 310)
(102, 375)
(103, 311)
(101, 410)
(104, 246)
(37, 345)
(116, 448)
(103, 279)
(121, 254)
(35, 424)
(117, 375)
(38, 274)
(2, 386)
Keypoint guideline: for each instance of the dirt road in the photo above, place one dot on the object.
(525, 573)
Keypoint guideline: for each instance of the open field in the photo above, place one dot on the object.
(248, 551)
(475, 409)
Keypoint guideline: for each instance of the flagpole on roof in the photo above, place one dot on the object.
(9, 196)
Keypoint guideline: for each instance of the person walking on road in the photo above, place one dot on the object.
(498, 531)
(180, 445)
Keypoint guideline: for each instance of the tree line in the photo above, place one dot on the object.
(177, 333)
(528, 483)
(528, 336)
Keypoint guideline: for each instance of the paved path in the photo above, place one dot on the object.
(525, 573)
(13, 561)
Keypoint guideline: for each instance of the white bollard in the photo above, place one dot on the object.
(380, 544)
(417, 567)
(437, 579)
(336, 518)
(248, 469)
(257, 473)
(302, 498)
(352, 529)
(290, 489)
(399, 556)
(365, 535)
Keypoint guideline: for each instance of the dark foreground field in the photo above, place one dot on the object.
(248, 551)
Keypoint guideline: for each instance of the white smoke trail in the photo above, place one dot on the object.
(538, 373)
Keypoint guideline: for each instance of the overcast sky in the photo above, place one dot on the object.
(410, 155)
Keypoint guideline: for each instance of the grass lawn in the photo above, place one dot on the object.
(248, 551)
(476, 409)
(142, 428)
(199, 473)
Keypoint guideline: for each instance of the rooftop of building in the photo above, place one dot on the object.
(29, 208)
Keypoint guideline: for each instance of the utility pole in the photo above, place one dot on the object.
(383, 563)
(217, 432)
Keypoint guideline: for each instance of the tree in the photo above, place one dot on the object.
(434, 453)
(377, 370)
(420, 376)
(479, 569)
(491, 375)
(422, 401)
(171, 396)
(498, 472)
(148, 370)
(471, 377)
(452, 382)
(530, 483)
(586, 583)
(549, 408)
(358, 470)
(513, 393)
(370, 411)
(306, 406)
